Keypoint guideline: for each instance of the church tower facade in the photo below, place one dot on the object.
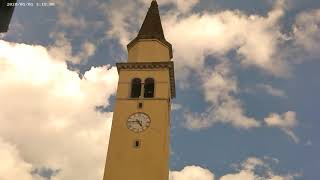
(139, 139)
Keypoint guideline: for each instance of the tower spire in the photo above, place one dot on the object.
(152, 27)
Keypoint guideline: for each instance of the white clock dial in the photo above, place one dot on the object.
(138, 122)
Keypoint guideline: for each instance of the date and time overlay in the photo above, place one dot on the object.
(30, 4)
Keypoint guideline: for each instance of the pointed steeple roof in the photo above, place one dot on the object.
(152, 27)
(6, 15)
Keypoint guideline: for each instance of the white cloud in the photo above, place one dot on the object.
(62, 49)
(49, 114)
(247, 171)
(67, 19)
(69, 16)
(71, 23)
(176, 107)
(251, 163)
(306, 31)
(124, 26)
(219, 86)
(87, 50)
(249, 175)
(196, 36)
(242, 175)
(183, 6)
(40, 91)
(272, 90)
(12, 166)
(286, 122)
(192, 173)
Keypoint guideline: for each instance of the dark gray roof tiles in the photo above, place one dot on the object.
(152, 27)
(5, 14)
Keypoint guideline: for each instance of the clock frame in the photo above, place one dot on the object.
(138, 122)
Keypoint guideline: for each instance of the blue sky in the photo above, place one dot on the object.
(246, 74)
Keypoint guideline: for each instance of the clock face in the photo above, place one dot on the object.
(138, 122)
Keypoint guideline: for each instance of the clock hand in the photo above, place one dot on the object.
(139, 122)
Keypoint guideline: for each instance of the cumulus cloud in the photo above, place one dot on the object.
(256, 39)
(69, 16)
(248, 175)
(176, 107)
(247, 170)
(182, 6)
(71, 22)
(219, 86)
(12, 165)
(211, 33)
(62, 49)
(272, 90)
(67, 19)
(185, 5)
(123, 26)
(49, 113)
(251, 163)
(54, 109)
(306, 31)
(192, 173)
(196, 36)
(286, 121)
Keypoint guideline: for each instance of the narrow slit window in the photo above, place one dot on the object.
(137, 144)
(149, 88)
(135, 88)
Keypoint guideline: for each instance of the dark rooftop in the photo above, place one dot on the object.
(5, 14)
(152, 27)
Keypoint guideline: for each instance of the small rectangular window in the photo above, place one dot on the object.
(140, 105)
(137, 143)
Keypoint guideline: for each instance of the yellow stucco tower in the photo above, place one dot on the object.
(139, 140)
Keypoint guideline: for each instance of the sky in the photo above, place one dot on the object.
(247, 84)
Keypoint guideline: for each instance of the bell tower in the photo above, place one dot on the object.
(139, 139)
